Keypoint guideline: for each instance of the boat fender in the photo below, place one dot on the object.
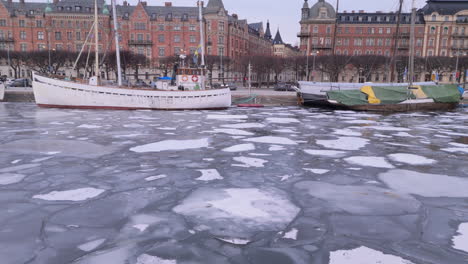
(194, 78)
(184, 78)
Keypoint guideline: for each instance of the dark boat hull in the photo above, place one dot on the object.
(401, 107)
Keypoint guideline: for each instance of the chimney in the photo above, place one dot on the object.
(345, 12)
(10, 1)
(144, 3)
(56, 2)
(361, 11)
(21, 2)
(125, 3)
(353, 11)
(235, 16)
(168, 4)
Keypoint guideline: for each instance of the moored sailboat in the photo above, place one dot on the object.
(187, 90)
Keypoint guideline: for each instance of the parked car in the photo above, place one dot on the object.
(20, 83)
(284, 87)
(141, 83)
(232, 86)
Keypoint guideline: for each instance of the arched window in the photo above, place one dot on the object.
(434, 18)
(446, 30)
(433, 30)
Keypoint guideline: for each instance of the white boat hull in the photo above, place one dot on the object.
(2, 91)
(64, 94)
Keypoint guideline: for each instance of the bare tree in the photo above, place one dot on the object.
(333, 65)
(367, 64)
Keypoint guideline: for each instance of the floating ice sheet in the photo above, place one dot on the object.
(251, 162)
(292, 234)
(157, 177)
(364, 255)
(10, 178)
(376, 162)
(91, 245)
(344, 143)
(317, 171)
(227, 117)
(240, 148)
(244, 125)
(324, 152)
(460, 241)
(70, 195)
(425, 184)
(234, 132)
(172, 145)
(272, 140)
(411, 159)
(148, 259)
(282, 120)
(209, 175)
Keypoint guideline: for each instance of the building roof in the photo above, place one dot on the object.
(314, 12)
(214, 6)
(377, 18)
(268, 31)
(444, 7)
(278, 40)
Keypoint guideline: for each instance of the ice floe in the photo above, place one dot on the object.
(344, 143)
(272, 140)
(19, 168)
(376, 162)
(347, 132)
(234, 132)
(172, 145)
(292, 234)
(226, 212)
(456, 150)
(10, 178)
(240, 148)
(460, 241)
(157, 177)
(250, 162)
(91, 245)
(411, 159)
(282, 120)
(70, 195)
(244, 125)
(141, 227)
(388, 128)
(276, 148)
(235, 241)
(227, 117)
(209, 175)
(89, 126)
(324, 152)
(148, 259)
(425, 184)
(364, 255)
(359, 200)
(317, 171)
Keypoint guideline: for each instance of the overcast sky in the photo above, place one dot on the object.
(286, 14)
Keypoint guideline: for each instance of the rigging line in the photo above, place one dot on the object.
(83, 47)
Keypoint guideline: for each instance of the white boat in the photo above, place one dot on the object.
(2, 91)
(186, 91)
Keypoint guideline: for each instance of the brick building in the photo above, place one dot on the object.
(153, 31)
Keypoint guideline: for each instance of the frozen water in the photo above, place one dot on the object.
(244, 125)
(344, 143)
(377, 162)
(234, 132)
(425, 184)
(238, 211)
(281, 120)
(276, 148)
(326, 153)
(227, 117)
(91, 245)
(89, 126)
(19, 168)
(240, 148)
(235, 241)
(209, 175)
(148, 259)
(388, 128)
(172, 145)
(411, 159)
(10, 178)
(347, 132)
(460, 241)
(317, 171)
(157, 177)
(364, 255)
(251, 162)
(272, 140)
(70, 195)
(292, 234)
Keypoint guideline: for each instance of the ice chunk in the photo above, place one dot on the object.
(347, 132)
(282, 120)
(285, 130)
(344, 143)
(148, 259)
(91, 245)
(272, 140)
(251, 162)
(238, 213)
(411, 159)
(292, 234)
(19, 168)
(388, 128)
(10, 178)
(141, 227)
(235, 241)
(234, 132)
(157, 177)
(455, 150)
(172, 145)
(275, 148)
(460, 241)
(377, 162)
(360, 200)
(70, 195)
(227, 117)
(244, 125)
(209, 175)
(327, 153)
(317, 171)
(89, 126)
(364, 255)
(424, 184)
(240, 148)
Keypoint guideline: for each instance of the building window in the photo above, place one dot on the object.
(24, 47)
(177, 28)
(419, 42)
(140, 37)
(39, 23)
(431, 43)
(58, 35)
(23, 35)
(429, 53)
(358, 30)
(221, 40)
(40, 35)
(2, 23)
(221, 26)
(176, 50)
(221, 51)
(389, 30)
(78, 35)
(58, 47)
(388, 42)
(162, 52)
(193, 39)
(70, 35)
(22, 23)
(192, 28)
(434, 18)
(328, 29)
(161, 27)
(315, 29)
(177, 38)
(446, 18)
(446, 30)
(433, 30)
(40, 47)
(161, 38)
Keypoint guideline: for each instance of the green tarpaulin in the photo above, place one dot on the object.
(447, 93)
(348, 97)
(391, 95)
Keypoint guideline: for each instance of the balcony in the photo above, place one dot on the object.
(459, 35)
(454, 47)
(323, 46)
(303, 34)
(140, 42)
(4, 40)
(405, 35)
(403, 47)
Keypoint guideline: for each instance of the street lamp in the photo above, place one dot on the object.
(314, 54)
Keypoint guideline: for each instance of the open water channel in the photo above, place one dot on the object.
(275, 185)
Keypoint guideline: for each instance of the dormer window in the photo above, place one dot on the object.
(31, 12)
(323, 14)
(185, 17)
(154, 16)
(126, 14)
(60, 8)
(69, 8)
(88, 9)
(434, 18)
(169, 17)
(78, 8)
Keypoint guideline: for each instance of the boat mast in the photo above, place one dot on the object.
(395, 45)
(336, 27)
(202, 35)
(117, 45)
(96, 38)
(412, 42)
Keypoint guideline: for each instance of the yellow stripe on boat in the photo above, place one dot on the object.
(370, 95)
(418, 93)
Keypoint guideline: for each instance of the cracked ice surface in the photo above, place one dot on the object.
(283, 192)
